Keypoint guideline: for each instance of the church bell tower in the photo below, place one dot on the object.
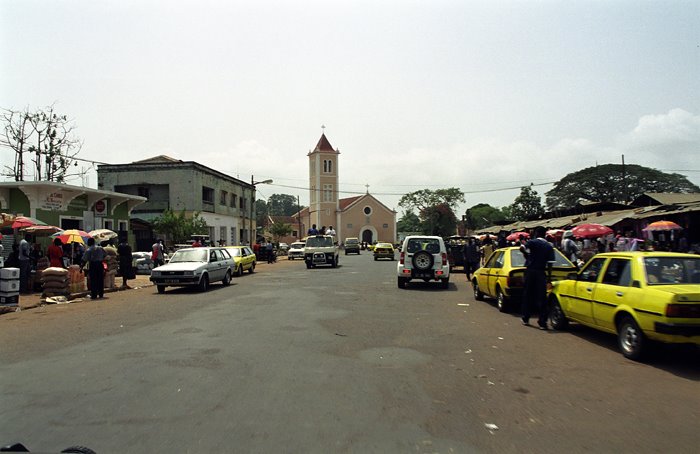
(323, 184)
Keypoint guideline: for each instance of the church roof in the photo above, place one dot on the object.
(344, 203)
(324, 146)
(157, 159)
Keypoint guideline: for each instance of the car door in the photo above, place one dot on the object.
(614, 289)
(497, 271)
(579, 304)
(484, 275)
(217, 266)
(248, 258)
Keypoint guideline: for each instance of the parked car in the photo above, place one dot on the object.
(244, 257)
(639, 296)
(455, 250)
(384, 250)
(296, 250)
(321, 250)
(141, 262)
(282, 248)
(194, 267)
(351, 245)
(425, 258)
(503, 276)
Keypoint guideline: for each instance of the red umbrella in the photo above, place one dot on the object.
(591, 230)
(516, 236)
(25, 221)
(556, 232)
(662, 226)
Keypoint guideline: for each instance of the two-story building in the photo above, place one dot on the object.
(224, 202)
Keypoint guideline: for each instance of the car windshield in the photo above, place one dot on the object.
(517, 259)
(190, 255)
(672, 270)
(319, 241)
(351, 241)
(297, 245)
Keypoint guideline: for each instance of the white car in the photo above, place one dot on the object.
(197, 266)
(296, 250)
(425, 258)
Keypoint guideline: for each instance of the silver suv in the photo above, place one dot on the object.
(321, 250)
(423, 257)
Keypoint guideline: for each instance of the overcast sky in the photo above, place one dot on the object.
(480, 95)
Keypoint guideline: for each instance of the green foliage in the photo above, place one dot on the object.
(439, 220)
(483, 215)
(527, 205)
(279, 229)
(283, 205)
(178, 227)
(614, 183)
(409, 222)
(426, 198)
(260, 212)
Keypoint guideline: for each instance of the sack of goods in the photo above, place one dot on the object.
(55, 281)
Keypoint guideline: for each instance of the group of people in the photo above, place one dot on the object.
(322, 231)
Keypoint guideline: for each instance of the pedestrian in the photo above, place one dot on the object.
(125, 261)
(471, 258)
(312, 230)
(25, 263)
(158, 254)
(502, 241)
(486, 249)
(270, 252)
(569, 247)
(55, 253)
(94, 258)
(539, 256)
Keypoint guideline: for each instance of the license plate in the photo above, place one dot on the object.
(424, 275)
(172, 281)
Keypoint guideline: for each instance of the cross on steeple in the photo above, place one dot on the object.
(367, 186)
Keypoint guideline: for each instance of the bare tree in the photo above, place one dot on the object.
(45, 134)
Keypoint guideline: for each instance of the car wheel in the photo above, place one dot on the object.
(204, 283)
(161, 288)
(239, 270)
(252, 269)
(227, 278)
(501, 301)
(375, 259)
(423, 260)
(631, 339)
(556, 316)
(402, 282)
(444, 284)
(477, 293)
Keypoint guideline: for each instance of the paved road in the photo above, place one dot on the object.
(330, 360)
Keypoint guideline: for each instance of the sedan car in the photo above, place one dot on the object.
(638, 296)
(296, 250)
(503, 276)
(194, 267)
(244, 258)
(384, 250)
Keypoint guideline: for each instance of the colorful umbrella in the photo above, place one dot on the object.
(516, 236)
(25, 221)
(72, 236)
(103, 234)
(659, 226)
(556, 232)
(591, 230)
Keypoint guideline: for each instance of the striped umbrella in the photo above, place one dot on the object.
(660, 226)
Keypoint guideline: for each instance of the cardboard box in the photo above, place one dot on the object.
(9, 273)
(7, 285)
(9, 300)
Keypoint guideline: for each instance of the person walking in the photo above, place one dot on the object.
(125, 261)
(158, 254)
(55, 253)
(569, 247)
(539, 256)
(25, 263)
(486, 249)
(270, 252)
(471, 258)
(93, 258)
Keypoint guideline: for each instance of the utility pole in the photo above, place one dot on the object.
(624, 181)
(299, 237)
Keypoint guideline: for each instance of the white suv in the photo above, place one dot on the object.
(423, 257)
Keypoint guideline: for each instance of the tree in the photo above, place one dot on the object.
(409, 222)
(483, 215)
(439, 220)
(260, 212)
(527, 205)
(178, 227)
(614, 183)
(279, 229)
(428, 202)
(283, 205)
(45, 134)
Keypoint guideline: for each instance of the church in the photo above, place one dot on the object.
(361, 216)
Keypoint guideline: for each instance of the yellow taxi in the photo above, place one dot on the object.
(503, 276)
(384, 250)
(638, 296)
(244, 258)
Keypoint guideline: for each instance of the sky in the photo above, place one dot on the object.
(485, 96)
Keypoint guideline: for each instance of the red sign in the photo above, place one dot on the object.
(100, 207)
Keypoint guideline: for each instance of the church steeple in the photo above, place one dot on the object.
(323, 183)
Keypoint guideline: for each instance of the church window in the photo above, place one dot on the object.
(386, 226)
(327, 192)
(367, 210)
(327, 166)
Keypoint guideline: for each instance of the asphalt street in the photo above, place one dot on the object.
(325, 360)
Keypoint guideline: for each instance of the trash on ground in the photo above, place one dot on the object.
(56, 300)
(491, 427)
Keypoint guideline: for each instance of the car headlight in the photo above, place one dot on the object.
(188, 273)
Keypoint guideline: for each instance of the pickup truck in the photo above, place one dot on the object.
(321, 250)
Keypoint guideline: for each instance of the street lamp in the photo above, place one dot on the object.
(252, 203)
